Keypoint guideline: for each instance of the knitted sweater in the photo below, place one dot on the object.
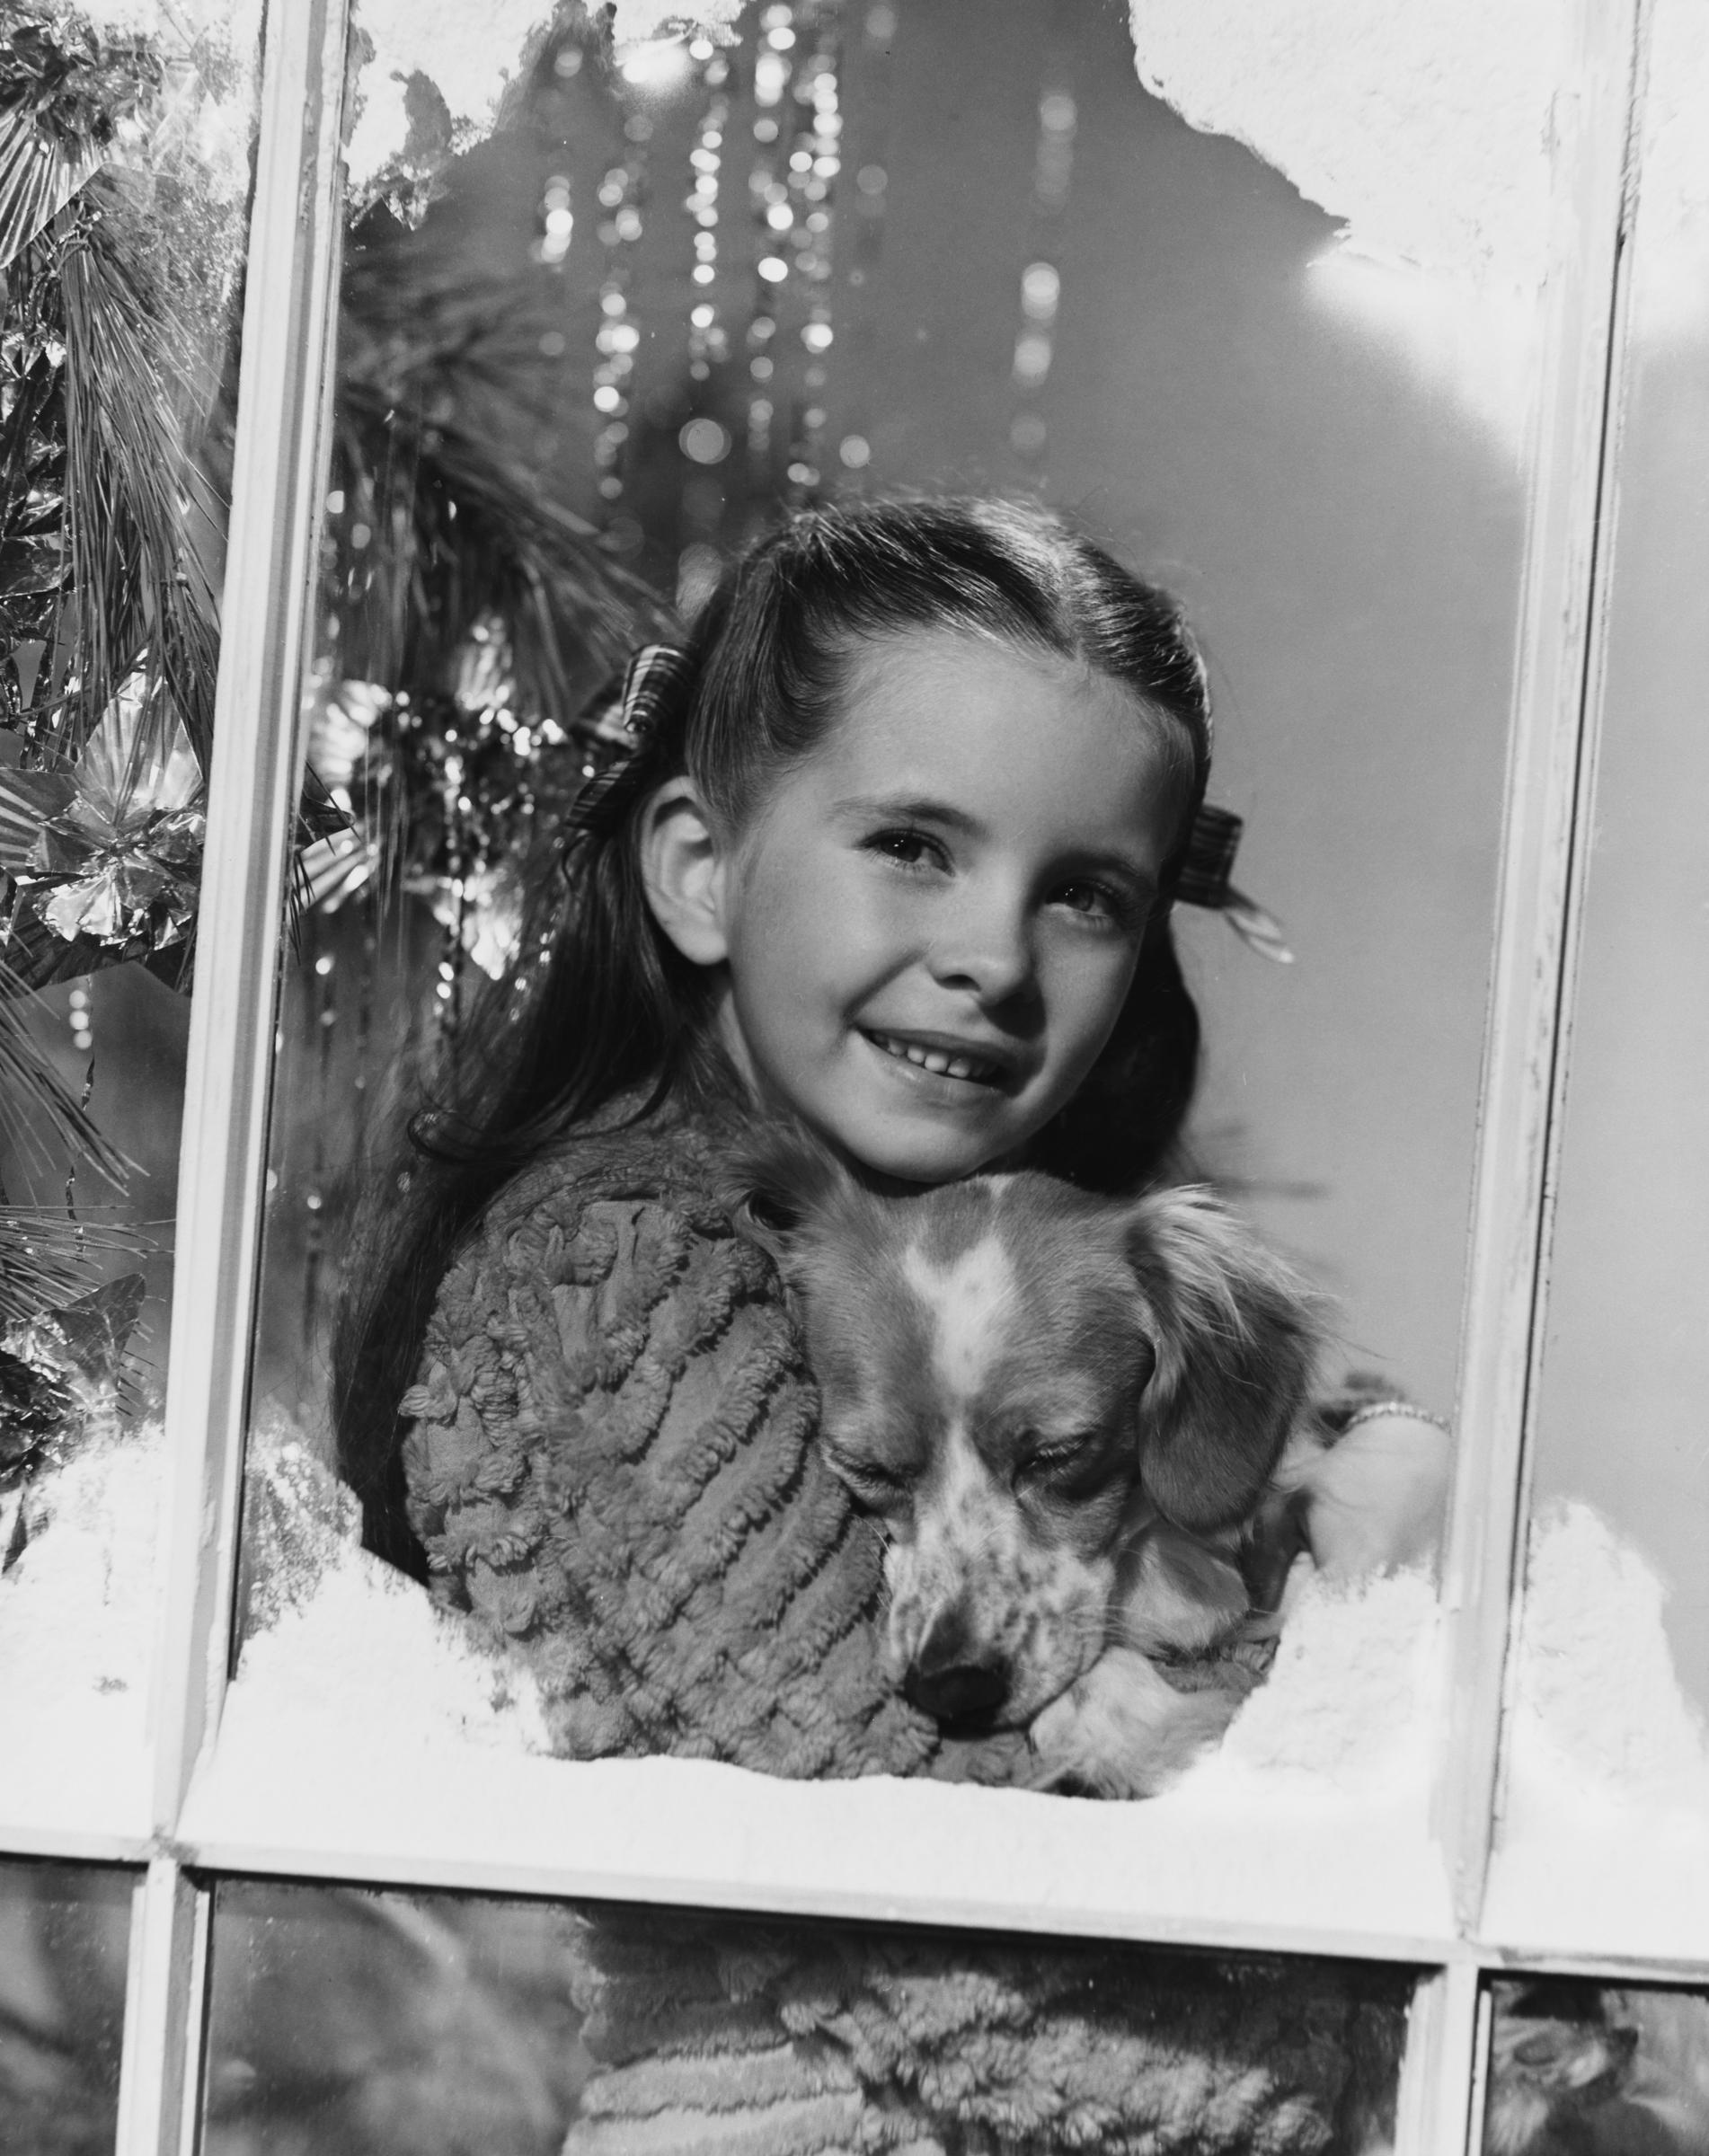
(753, 2039)
(612, 1467)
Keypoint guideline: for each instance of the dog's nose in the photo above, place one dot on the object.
(948, 1678)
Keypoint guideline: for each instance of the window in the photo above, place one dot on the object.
(1450, 630)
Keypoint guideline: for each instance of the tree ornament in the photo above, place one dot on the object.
(107, 849)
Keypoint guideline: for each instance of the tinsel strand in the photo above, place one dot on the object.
(1041, 279)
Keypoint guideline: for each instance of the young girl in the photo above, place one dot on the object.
(894, 852)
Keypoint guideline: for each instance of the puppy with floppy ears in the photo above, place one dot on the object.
(1062, 1410)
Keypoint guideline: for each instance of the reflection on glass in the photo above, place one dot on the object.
(122, 223)
(1584, 2069)
(381, 2022)
(64, 1930)
(375, 2023)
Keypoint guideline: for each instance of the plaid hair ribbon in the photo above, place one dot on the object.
(1211, 846)
(623, 709)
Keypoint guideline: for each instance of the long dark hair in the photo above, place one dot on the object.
(614, 1013)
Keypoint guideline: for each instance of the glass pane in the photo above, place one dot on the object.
(605, 325)
(1615, 2072)
(64, 1934)
(122, 228)
(1608, 1751)
(368, 2023)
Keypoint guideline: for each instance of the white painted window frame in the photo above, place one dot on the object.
(278, 481)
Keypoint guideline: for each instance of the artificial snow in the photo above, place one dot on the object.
(371, 1733)
(1425, 130)
(471, 56)
(1351, 1704)
(1672, 261)
(206, 109)
(348, 1641)
(1605, 1822)
(77, 1617)
(637, 21)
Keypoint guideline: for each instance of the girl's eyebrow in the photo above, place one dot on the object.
(908, 807)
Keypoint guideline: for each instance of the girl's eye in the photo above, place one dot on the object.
(908, 849)
(1097, 902)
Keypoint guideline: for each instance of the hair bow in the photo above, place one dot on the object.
(623, 711)
(1211, 845)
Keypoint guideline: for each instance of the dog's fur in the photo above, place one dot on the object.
(1066, 1412)
(1557, 2058)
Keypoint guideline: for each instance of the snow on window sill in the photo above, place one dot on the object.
(1604, 1846)
(78, 1614)
(368, 1736)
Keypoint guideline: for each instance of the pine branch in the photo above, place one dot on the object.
(142, 593)
(437, 372)
(45, 1254)
(34, 1097)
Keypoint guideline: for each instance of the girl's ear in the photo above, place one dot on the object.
(683, 863)
(1235, 1336)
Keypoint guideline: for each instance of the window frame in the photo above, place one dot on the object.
(1555, 714)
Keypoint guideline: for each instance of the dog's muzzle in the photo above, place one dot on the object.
(950, 1677)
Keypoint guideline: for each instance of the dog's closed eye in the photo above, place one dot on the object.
(1057, 1467)
(874, 1488)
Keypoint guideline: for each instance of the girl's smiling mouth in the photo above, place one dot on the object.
(941, 1061)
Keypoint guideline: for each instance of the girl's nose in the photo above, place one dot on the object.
(986, 950)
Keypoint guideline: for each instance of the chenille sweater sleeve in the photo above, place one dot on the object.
(612, 1467)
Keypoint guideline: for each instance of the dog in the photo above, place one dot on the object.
(1557, 2059)
(1081, 1425)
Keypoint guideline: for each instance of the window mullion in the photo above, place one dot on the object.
(250, 791)
(1440, 2101)
(165, 1992)
(293, 249)
(1552, 726)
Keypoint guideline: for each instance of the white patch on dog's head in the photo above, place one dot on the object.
(972, 1300)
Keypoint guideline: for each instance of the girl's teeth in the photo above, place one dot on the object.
(936, 1060)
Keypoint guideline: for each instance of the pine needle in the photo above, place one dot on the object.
(45, 1257)
(32, 1094)
(142, 594)
(437, 370)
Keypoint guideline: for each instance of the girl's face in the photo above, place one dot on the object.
(932, 923)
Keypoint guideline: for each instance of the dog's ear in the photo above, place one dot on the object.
(779, 1187)
(1235, 1336)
